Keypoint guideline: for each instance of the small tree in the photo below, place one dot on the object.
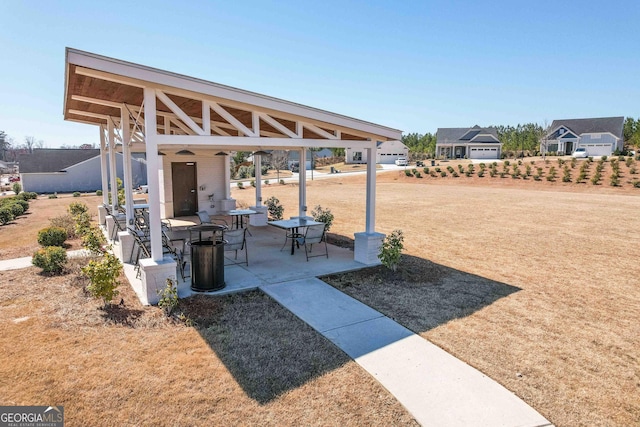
(168, 297)
(16, 187)
(391, 250)
(323, 215)
(275, 209)
(103, 275)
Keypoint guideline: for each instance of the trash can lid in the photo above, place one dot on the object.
(207, 227)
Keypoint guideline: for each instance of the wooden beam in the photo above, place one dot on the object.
(229, 118)
(178, 111)
(278, 126)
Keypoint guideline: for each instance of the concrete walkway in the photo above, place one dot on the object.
(436, 388)
(25, 262)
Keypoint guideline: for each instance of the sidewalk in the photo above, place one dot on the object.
(25, 262)
(435, 387)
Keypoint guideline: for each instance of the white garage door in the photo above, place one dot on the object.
(483, 153)
(598, 149)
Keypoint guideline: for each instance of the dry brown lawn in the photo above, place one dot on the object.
(248, 361)
(533, 283)
(536, 284)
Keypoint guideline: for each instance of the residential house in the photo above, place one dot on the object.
(468, 143)
(63, 170)
(386, 152)
(599, 136)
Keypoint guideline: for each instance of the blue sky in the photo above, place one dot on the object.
(410, 65)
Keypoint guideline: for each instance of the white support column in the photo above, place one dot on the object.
(371, 189)
(103, 167)
(151, 133)
(112, 166)
(126, 163)
(206, 118)
(227, 177)
(302, 179)
(367, 244)
(257, 164)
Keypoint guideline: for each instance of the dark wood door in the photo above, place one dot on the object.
(185, 186)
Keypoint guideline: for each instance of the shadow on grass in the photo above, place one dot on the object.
(421, 295)
(120, 315)
(268, 350)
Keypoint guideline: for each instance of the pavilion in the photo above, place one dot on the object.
(165, 115)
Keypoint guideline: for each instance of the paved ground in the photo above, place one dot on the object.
(436, 388)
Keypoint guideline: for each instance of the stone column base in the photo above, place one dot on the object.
(110, 223)
(125, 247)
(260, 218)
(154, 275)
(367, 247)
(102, 215)
(225, 204)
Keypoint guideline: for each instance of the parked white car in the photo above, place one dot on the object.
(401, 161)
(580, 152)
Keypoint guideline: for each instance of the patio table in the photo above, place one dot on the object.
(237, 215)
(292, 226)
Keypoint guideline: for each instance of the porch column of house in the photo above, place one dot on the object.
(155, 270)
(102, 211)
(367, 243)
(302, 179)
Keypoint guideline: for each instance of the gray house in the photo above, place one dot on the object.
(62, 170)
(599, 136)
(468, 143)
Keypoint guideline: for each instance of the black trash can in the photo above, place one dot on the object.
(207, 260)
(433, 162)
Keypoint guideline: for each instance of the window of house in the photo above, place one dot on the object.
(357, 156)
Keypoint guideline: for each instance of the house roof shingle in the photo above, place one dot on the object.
(612, 125)
(44, 160)
(473, 134)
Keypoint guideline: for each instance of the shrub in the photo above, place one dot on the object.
(595, 180)
(407, 173)
(566, 177)
(253, 182)
(52, 236)
(93, 240)
(275, 209)
(527, 170)
(282, 182)
(615, 180)
(83, 222)
(76, 208)
(632, 170)
(461, 168)
(323, 215)
(454, 174)
(581, 177)
(66, 222)
(18, 207)
(426, 171)
(438, 170)
(552, 174)
(50, 259)
(636, 184)
(240, 185)
(6, 215)
(480, 173)
(53, 196)
(450, 169)
(443, 174)
(103, 275)
(266, 182)
(507, 163)
(16, 187)
(604, 158)
(98, 192)
(168, 297)
(391, 250)
(629, 161)
(418, 174)
(574, 161)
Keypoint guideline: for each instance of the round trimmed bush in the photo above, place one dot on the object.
(52, 236)
(98, 192)
(16, 209)
(50, 259)
(76, 194)
(6, 215)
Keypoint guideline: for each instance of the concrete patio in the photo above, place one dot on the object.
(268, 264)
